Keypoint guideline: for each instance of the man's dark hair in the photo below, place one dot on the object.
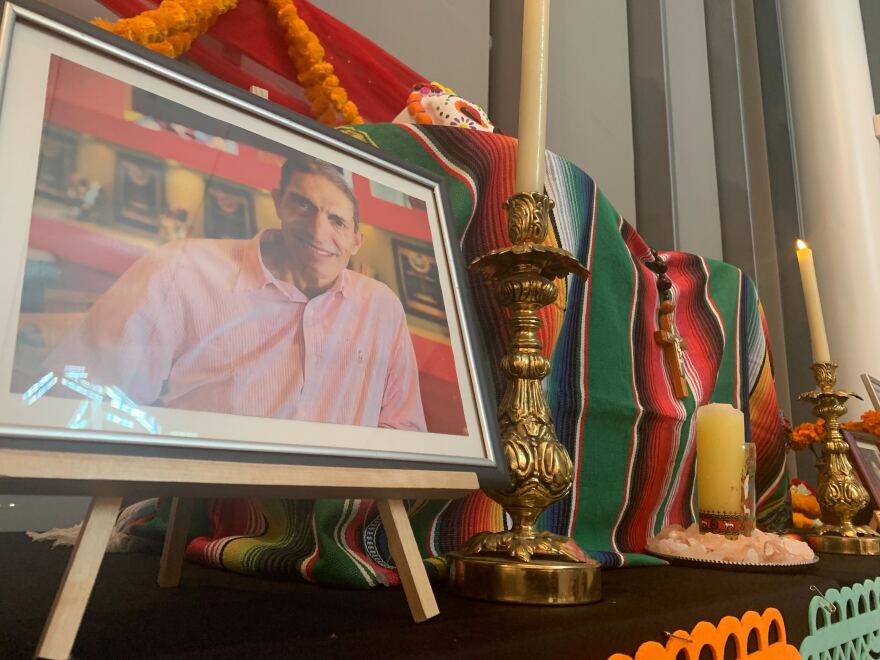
(300, 162)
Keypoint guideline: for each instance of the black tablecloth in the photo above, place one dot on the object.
(220, 615)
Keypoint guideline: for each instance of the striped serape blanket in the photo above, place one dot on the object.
(631, 440)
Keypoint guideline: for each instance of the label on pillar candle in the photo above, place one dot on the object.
(723, 523)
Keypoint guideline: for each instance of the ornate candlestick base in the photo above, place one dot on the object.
(838, 491)
(522, 564)
(537, 582)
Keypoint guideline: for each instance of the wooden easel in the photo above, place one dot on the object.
(108, 478)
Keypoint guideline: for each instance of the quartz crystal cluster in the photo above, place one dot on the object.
(759, 548)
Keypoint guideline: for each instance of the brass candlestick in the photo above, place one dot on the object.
(522, 564)
(838, 491)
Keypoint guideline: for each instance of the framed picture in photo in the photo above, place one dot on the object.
(56, 168)
(229, 211)
(864, 448)
(418, 279)
(140, 191)
(872, 385)
(211, 307)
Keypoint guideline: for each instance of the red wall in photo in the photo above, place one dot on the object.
(89, 102)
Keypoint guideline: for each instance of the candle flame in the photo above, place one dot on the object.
(801, 245)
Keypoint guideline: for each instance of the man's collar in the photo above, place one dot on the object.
(342, 284)
(254, 275)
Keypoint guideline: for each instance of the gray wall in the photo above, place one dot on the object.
(694, 180)
(748, 229)
(785, 218)
(677, 205)
(588, 101)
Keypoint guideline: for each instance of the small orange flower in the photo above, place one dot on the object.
(804, 435)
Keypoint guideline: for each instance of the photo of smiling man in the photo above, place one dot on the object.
(220, 271)
(273, 326)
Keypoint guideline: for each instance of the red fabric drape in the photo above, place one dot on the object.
(246, 47)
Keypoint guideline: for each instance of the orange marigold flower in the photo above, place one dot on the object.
(804, 435)
(321, 106)
(350, 114)
(328, 117)
(871, 421)
(339, 96)
(163, 48)
(286, 14)
(298, 28)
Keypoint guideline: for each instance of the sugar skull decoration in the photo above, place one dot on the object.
(432, 103)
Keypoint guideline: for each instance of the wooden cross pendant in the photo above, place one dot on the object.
(673, 345)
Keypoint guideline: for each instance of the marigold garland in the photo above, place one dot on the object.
(327, 98)
(171, 28)
(869, 423)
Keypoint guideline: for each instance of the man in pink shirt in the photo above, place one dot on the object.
(275, 326)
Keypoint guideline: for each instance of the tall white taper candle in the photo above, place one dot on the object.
(818, 338)
(533, 96)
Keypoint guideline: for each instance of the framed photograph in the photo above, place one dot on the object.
(872, 385)
(56, 168)
(418, 279)
(236, 322)
(140, 191)
(229, 211)
(864, 448)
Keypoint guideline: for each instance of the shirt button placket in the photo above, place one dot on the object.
(313, 349)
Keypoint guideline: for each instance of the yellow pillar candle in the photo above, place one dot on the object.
(818, 338)
(533, 96)
(720, 458)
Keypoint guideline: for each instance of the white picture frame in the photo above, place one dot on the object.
(38, 43)
(872, 386)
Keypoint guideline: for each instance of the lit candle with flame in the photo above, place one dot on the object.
(815, 320)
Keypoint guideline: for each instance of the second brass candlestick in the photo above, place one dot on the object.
(840, 495)
(523, 564)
